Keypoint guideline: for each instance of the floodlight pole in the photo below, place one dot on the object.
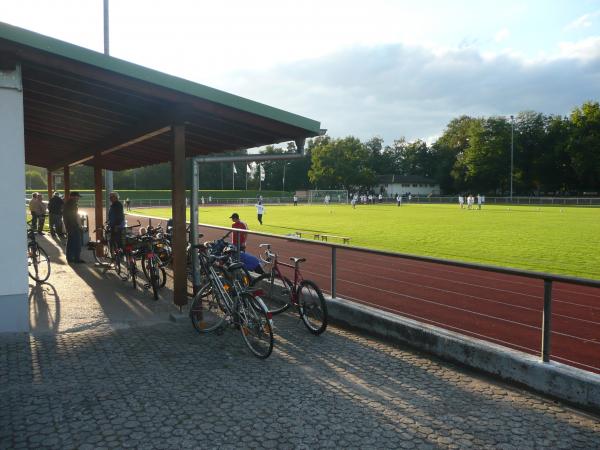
(512, 150)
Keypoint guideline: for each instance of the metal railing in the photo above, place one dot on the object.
(548, 279)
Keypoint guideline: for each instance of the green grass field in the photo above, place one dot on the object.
(547, 239)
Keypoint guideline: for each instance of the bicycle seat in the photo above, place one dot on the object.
(265, 245)
(234, 266)
(297, 260)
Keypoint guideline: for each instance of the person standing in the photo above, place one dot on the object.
(33, 210)
(116, 219)
(128, 204)
(479, 197)
(461, 201)
(398, 200)
(238, 236)
(260, 210)
(295, 200)
(380, 198)
(38, 213)
(202, 200)
(73, 226)
(353, 202)
(55, 211)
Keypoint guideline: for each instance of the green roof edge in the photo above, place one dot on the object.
(91, 57)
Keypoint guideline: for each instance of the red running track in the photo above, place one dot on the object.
(499, 308)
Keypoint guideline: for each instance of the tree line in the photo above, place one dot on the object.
(552, 155)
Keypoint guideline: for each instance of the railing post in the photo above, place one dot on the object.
(546, 320)
(333, 270)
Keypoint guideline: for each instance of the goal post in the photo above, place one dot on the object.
(333, 195)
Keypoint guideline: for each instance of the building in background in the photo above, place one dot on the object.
(392, 185)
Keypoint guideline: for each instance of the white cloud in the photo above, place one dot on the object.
(502, 35)
(584, 21)
(586, 49)
(395, 90)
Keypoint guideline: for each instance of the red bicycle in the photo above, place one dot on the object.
(279, 292)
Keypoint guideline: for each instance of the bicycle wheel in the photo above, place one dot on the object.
(38, 263)
(312, 307)
(207, 312)
(132, 267)
(255, 325)
(105, 257)
(160, 270)
(277, 293)
(152, 272)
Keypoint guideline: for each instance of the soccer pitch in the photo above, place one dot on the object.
(546, 239)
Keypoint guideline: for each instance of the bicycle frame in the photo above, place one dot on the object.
(276, 271)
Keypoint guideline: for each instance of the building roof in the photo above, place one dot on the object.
(395, 178)
(79, 103)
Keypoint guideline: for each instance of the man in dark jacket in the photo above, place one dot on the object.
(55, 209)
(73, 226)
(116, 219)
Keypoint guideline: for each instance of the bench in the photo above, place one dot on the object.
(344, 239)
(323, 237)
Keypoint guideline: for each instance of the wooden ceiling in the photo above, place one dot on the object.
(83, 107)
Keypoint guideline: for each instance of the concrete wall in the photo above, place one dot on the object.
(14, 305)
(557, 380)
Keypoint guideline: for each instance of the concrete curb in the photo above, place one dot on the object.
(557, 380)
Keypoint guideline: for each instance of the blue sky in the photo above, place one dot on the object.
(377, 68)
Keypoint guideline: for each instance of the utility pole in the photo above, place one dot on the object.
(512, 150)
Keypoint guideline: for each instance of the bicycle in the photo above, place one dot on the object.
(281, 293)
(38, 262)
(224, 300)
(151, 264)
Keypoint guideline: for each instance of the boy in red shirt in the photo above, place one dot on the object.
(237, 223)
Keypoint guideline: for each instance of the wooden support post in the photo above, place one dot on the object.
(99, 221)
(67, 182)
(178, 213)
(50, 186)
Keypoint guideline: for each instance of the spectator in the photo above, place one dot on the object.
(37, 207)
(238, 236)
(116, 219)
(260, 210)
(73, 226)
(33, 209)
(55, 211)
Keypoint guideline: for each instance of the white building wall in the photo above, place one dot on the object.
(14, 304)
(421, 191)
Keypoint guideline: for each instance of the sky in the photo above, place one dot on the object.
(385, 68)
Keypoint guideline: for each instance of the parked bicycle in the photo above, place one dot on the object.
(223, 300)
(38, 262)
(280, 292)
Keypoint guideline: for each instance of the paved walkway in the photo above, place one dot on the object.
(94, 376)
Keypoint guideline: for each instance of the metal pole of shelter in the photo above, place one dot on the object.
(194, 225)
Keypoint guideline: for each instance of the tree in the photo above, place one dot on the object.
(341, 164)
(584, 145)
(485, 163)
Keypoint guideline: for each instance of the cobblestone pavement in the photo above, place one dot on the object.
(165, 386)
